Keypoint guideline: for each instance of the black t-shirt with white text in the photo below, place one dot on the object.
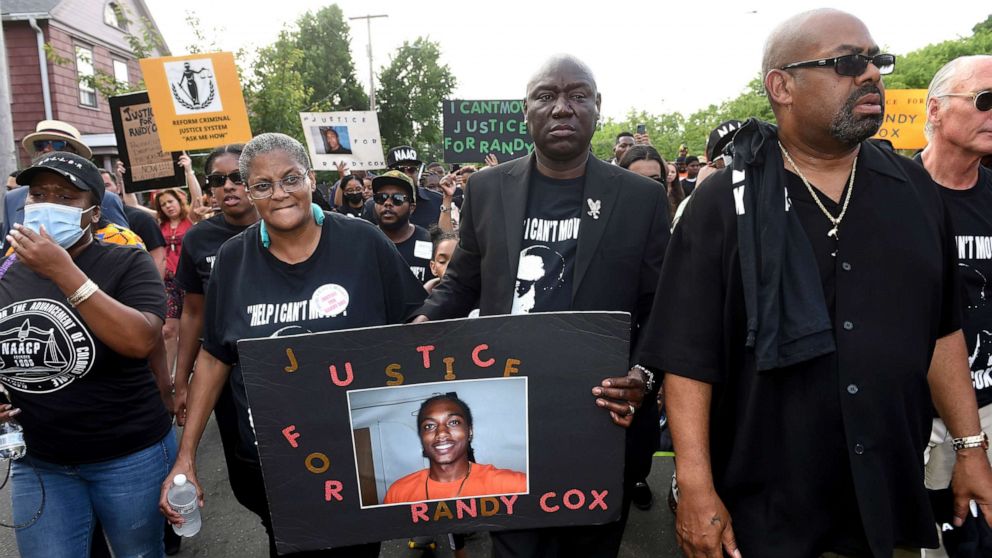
(551, 238)
(200, 246)
(80, 401)
(971, 216)
(354, 278)
(417, 251)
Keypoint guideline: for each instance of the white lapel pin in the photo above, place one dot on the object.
(594, 207)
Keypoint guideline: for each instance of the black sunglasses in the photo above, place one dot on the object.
(57, 145)
(398, 199)
(850, 65)
(218, 180)
(983, 99)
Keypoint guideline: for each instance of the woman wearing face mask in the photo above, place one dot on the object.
(353, 196)
(98, 436)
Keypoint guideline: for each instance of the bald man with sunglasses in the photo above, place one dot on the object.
(819, 323)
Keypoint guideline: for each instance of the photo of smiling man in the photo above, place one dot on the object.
(444, 424)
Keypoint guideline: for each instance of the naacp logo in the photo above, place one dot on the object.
(194, 88)
(43, 347)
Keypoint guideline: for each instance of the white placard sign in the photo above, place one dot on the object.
(350, 137)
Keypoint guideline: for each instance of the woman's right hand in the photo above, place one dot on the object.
(8, 411)
(185, 162)
(448, 185)
(186, 467)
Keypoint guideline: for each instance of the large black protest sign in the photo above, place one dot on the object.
(345, 459)
(148, 167)
(474, 129)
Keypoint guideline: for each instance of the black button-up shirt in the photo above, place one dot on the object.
(825, 455)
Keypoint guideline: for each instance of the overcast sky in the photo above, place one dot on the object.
(653, 56)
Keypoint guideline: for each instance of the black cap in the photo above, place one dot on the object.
(395, 178)
(402, 154)
(720, 137)
(79, 171)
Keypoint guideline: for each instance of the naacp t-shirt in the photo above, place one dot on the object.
(971, 217)
(418, 251)
(200, 246)
(551, 238)
(80, 401)
(354, 278)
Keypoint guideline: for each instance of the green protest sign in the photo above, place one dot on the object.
(474, 129)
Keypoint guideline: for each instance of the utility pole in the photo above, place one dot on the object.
(8, 150)
(368, 21)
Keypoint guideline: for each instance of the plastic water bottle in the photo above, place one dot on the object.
(11, 440)
(182, 498)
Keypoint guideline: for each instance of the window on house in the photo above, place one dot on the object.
(84, 68)
(114, 16)
(120, 71)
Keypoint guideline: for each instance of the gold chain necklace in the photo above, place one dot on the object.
(850, 189)
(427, 495)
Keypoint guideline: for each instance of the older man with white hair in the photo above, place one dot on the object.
(959, 127)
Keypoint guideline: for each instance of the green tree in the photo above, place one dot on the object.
(914, 70)
(669, 131)
(275, 91)
(327, 68)
(409, 98)
(308, 68)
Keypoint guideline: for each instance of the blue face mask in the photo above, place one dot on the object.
(61, 221)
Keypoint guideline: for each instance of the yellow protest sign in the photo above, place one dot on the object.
(197, 100)
(905, 116)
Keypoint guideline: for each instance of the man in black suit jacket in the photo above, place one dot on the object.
(561, 230)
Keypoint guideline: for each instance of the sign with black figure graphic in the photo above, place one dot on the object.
(440, 427)
(197, 100)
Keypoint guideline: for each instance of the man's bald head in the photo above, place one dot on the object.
(557, 63)
(794, 39)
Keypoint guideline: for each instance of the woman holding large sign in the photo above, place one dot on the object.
(298, 270)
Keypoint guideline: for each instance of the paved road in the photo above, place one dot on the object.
(230, 530)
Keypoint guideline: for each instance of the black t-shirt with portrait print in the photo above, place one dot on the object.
(418, 251)
(145, 226)
(200, 246)
(80, 401)
(551, 238)
(971, 217)
(354, 278)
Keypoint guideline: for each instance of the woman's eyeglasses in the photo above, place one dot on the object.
(290, 184)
